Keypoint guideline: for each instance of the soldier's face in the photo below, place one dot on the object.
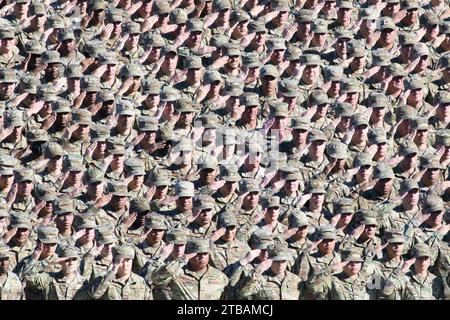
(329, 5)
(88, 236)
(432, 175)
(422, 263)
(161, 192)
(21, 235)
(125, 267)
(435, 218)
(304, 29)
(412, 197)
(155, 236)
(326, 247)
(384, 186)
(95, 190)
(82, 132)
(241, 29)
(317, 200)
(195, 75)
(199, 261)
(397, 83)
(91, 98)
(4, 265)
(391, 9)
(55, 163)
(410, 160)
(38, 21)
(207, 176)
(251, 200)
(25, 188)
(7, 89)
(319, 39)
(64, 221)
(111, 70)
(341, 45)
(278, 267)
(230, 233)
(405, 51)
(224, 15)
(73, 84)
(68, 45)
(125, 121)
(381, 149)
(412, 15)
(291, 186)
(6, 180)
(395, 249)
(69, 266)
(302, 232)
(272, 214)
(415, 96)
(352, 268)
(184, 203)
(346, 218)
(388, 36)
(205, 217)
(369, 25)
(443, 111)
(360, 133)
(344, 15)
(369, 231)
(259, 39)
(281, 18)
(52, 70)
(48, 249)
(150, 137)
(317, 148)
(310, 73)
(21, 9)
(195, 38)
(107, 250)
(117, 161)
(170, 62)
(234, 62)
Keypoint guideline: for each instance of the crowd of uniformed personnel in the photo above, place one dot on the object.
(224, 149)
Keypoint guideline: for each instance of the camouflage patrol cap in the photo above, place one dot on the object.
(184, 189)
(155, 40)
(280, 5)
(8, 75)
(326, 232)
(249, 99)
(419, 49)
(139, 205)
(119, 189)
(184, 105)
(29, 84)
(94, 176)
(251, 60)
(193, 62)
(333, 73)
(269, 70)
(114, 15)
(421, 123)
(304, 15)
(342, 33)
(368, 217)
(100, 132)
(316, 186)
(239, 15)
(407, 148)
(297, 220)
(151, 86)
(359, 119)
(414, 83)
(300, 123)
(38, 9)
(345, 4)
(47, 92)
(61, 106)
(34, 47)
(198, 246)
(160, 179)
(70, 252)
(408, 185)
(228, 220)
(272, 202)
(74, 71)
(343, 205)
(131, 70)
(396, 70)
(161, 7)
(280, 109)
(7, 165)
(279, 252)
(377, 136)
(104, 234)
(368, 14)
(54, 150)
(90, 83)
(194, 25)
(343, 109)
(363, 159)
(293, 54)
(132, 27)
(230, 173)
(134, 167)
(378, 100)
(383, 171)
(7, 33)
(4, 211)
(428, 18)
(257, 26)
(381, 58)
(155, 221)
(356, 51)
(170, 94)
(218, 41)
(82, 116)
(229, 138)
(352, 255)
(288, 88)
(410, 4)
(125, 108)
(87, 222)
(337, 150)
(430, 162)
(232, 49)
(115, 145)
(406, 39)
(310, 59)
(406, 113)
(177, 236)
(210, 121)
(74, 162)
(48, 234)
(37, 135)
(211, 76)
(97, 5)
(208, 162)
(14, 118)
(422, 250)
(277, 44)
(178, 16)
(20, 220)
(261, 239)
(204, 202)
(51, 56)
(442, 98)
(56, 22)
(442, 137)
(316, 135)
(219, 5)
(107, 58)
(445, 27)
(168, 49)
(185, 145)
(249, 185)
(396, 238)
(434, 204)
(320, 26)
(5, 252)
(66, 34)
(94, 48)
(125, 251)
(23, 175)
(318, 97)
(386, 23)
